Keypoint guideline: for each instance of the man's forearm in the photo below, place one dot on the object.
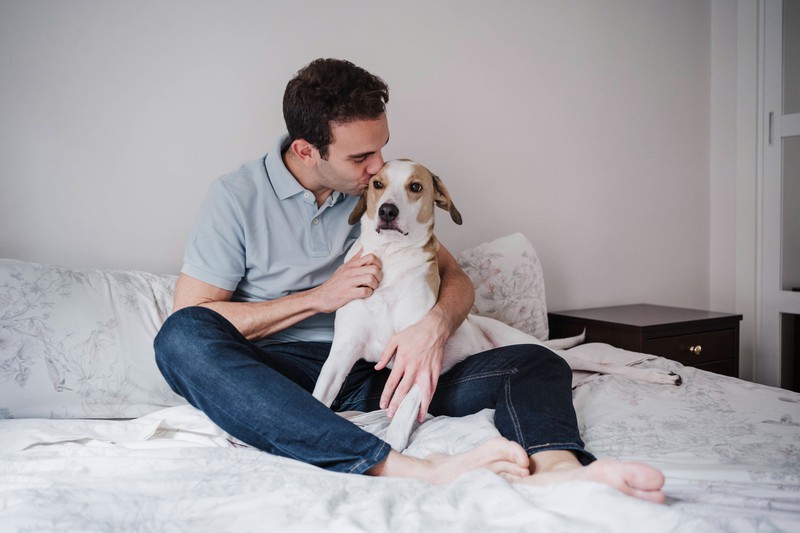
(357, 278)
(256, 320)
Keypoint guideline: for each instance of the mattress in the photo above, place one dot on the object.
(730, 451)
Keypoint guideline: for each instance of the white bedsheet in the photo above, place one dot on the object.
(142, 475)
(730, 451)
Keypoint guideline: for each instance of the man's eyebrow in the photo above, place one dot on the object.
(366, 154)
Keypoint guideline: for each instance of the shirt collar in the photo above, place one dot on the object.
(284, 183)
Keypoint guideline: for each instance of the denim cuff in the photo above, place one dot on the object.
(584, 457)
(378, 457)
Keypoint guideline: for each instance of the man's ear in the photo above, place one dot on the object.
(358, 210)
(305, 151)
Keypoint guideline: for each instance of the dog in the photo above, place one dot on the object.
(396, 213)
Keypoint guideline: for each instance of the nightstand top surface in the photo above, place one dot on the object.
(644, 315)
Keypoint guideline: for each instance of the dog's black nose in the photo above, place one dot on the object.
(388, 212)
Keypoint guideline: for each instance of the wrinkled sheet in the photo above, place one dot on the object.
(730, 451)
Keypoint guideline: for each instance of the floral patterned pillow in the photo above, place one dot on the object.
(509, 285)
(78, 343)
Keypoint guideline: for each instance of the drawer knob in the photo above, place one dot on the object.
(697, 349)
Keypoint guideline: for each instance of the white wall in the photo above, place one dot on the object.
(583, 124)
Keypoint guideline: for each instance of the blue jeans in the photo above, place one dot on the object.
(262, 395)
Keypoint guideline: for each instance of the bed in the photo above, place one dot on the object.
(92, 439)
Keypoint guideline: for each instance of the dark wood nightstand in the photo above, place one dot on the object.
(704, 339)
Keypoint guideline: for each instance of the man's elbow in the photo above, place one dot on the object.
(190, 292)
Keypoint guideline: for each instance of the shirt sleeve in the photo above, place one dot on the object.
(215, 249)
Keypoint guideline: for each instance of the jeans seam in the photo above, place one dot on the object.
(552, 444)
(512, 412)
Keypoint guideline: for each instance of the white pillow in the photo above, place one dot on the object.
(509, 285)
(78, 343)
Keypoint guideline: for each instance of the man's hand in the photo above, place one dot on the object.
(418, 351)
(357, 278)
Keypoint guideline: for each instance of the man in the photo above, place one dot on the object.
(263, 274)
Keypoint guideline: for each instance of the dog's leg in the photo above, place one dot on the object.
(340, 362)
(403, 422)
(645, 375)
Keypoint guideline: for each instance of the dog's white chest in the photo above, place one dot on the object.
(401, 299)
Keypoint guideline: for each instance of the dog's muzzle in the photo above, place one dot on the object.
(387, 213)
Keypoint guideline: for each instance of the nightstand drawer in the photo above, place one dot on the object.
(694, 349)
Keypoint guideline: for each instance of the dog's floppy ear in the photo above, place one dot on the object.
(358, 210)
(442, 199)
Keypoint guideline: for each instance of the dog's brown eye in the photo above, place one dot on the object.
(415, 187)
(377, 185)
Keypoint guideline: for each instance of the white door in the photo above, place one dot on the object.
(779, 225)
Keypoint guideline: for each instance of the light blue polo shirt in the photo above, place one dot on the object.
(260, 234)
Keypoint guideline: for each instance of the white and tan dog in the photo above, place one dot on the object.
(397, 219)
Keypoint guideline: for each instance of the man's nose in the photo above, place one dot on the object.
(375, 163)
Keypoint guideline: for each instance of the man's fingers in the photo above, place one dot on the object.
(360, 259)
(369, 279)
(385, 357)
(365, 271)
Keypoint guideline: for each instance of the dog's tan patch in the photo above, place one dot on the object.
(421, 179)
(433, 193)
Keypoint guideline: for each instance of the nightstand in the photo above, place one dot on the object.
(703, 339)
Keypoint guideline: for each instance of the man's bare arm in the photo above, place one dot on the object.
(357, 278)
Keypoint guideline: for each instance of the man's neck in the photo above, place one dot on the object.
(305, 177)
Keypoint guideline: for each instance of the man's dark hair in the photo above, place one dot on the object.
(330, 91)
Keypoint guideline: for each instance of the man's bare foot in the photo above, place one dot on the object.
(633, 479)
(498, 455)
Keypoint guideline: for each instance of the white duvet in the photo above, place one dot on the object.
(730, 451)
